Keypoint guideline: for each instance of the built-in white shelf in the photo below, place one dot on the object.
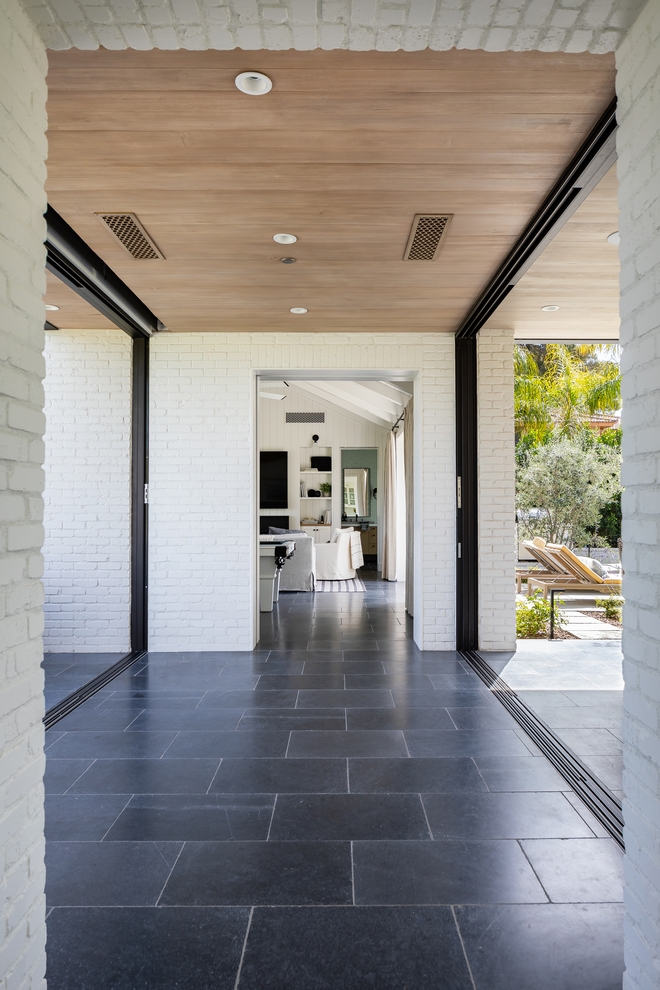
(313, 478)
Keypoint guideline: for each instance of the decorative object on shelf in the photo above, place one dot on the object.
(313, 493)
(322, 463)
(326, 489)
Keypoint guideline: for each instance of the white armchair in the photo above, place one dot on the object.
(333, 560)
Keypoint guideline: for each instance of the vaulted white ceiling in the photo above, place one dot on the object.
(373, 403)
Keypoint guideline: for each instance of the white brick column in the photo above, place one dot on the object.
(638, 85)
(22, 281)
(497, 490)
(87, 502)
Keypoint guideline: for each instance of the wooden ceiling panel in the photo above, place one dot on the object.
(578, 271)
(343, 152)
(73, 313)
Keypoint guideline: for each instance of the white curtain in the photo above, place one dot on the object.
(410, 520)
(389, 510)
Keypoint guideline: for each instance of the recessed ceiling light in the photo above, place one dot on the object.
(549, 309)
(253, 83)
(298, 310)
(614, 238)
(288, 261)
(52, 309)
(285, 238)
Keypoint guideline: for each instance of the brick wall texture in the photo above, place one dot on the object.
(385, 25)
(22, 202)
(497, 490)
(87, 500)
(202, 511)
(638, 86)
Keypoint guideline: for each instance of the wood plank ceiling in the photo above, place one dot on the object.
(578, 271)
(343, 152)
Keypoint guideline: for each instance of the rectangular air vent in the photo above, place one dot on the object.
(426, 236)
(309, 417)
(131, 234)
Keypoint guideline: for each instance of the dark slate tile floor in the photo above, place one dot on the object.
(66, 672)
(334, 811)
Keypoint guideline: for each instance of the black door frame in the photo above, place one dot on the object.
(73, 261)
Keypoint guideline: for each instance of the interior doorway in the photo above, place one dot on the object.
(330, 474)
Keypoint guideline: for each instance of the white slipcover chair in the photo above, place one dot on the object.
(333, 560)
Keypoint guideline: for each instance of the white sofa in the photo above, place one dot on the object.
(298, 573)
(333, 560)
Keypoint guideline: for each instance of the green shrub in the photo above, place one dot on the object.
(612, 605)
(533, 615)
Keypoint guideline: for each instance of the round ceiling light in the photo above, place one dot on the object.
(549, 309)
(253, 83)
(614, 238)
(52, 309)
(285, 238)
(298, 310)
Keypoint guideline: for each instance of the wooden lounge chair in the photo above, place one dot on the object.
(544, 569)
(574, 574)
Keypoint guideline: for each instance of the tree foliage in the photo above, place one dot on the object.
(562, 488)
(559, 387)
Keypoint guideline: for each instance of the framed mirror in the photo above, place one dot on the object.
(357, 492)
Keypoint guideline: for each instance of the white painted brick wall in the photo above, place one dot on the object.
(386, 25)
(87, 501)
(638, 85)
(202, 509)
(22, 229)
(497, 491)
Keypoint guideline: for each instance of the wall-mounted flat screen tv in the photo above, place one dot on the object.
(273, 487)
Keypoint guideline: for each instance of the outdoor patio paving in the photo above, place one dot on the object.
(576, 687)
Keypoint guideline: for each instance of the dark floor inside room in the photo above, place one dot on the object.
(334, 811)
(65, 673)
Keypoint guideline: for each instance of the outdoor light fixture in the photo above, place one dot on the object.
(298, 310)
(285, 238)
(253, 83)
(614, 238)
(549, 309)
(288, 261)
(52, 309)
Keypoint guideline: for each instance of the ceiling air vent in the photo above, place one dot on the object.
(426, 236)
(131, 234)
(308, 417)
